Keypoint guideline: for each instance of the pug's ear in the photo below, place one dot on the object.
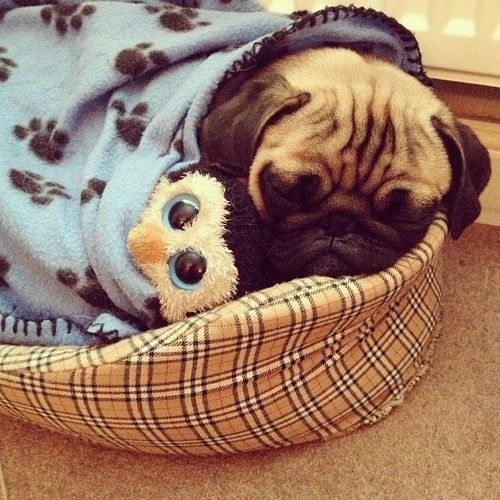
(231, 132)
(471, 170)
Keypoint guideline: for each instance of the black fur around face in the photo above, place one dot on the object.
(246, 235)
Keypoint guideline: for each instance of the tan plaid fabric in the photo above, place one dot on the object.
(302, 361)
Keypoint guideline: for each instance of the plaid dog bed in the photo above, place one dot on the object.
(306, 360)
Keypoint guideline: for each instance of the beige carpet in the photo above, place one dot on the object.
(441, 444)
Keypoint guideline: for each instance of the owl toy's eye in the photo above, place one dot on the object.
(187, 269)
(180, 210)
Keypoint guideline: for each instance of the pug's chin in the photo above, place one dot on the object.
(327, 265)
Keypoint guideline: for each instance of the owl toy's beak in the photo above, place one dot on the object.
(147, 244)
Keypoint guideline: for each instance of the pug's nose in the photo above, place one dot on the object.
(339, 225)
(302, 189)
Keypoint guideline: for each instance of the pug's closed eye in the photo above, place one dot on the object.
(400, 206)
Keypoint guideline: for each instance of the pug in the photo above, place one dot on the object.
(346, 157)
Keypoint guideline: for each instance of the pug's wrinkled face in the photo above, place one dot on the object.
(353, 177)
(348, 158)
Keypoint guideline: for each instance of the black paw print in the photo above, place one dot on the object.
(95, 187)
(86, 287)
(4, 269)
(47, 142)
(135, 61)
(66, 16)
(41, 192)
(176, 19)
(6, 64)
(130, 128)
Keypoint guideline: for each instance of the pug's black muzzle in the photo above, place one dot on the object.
(339, 245)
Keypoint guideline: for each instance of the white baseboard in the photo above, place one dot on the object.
(489, 135)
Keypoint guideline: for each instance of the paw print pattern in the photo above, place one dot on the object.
(47, 142)
(176, 19)
(40, 191)
(86, 287)
(4, 269)
(130, 128)
(95, 187)
(133, 62)
(66, 16)
(6, 64)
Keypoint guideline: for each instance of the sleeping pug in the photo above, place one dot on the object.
(346, 157)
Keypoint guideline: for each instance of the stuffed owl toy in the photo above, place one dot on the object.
(199, 242)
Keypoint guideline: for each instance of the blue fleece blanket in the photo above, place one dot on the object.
(98, 101)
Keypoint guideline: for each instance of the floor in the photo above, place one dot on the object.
(442, 443)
